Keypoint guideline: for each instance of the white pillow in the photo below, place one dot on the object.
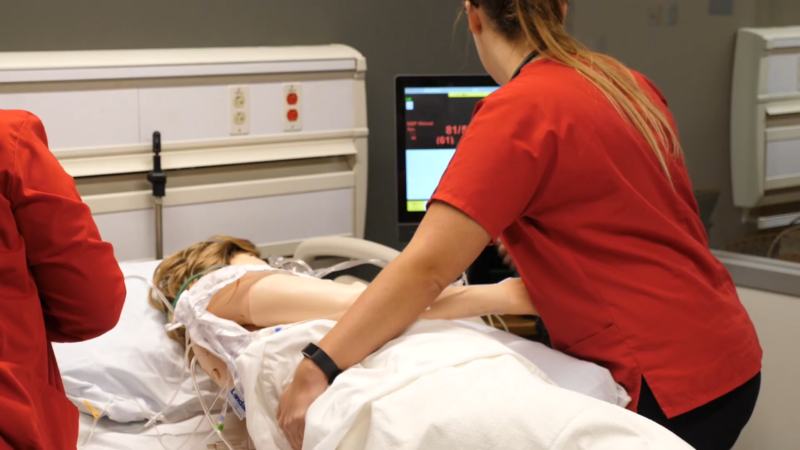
(567, 372)
(135, 363)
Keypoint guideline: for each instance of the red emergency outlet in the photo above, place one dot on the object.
(291, 99)
(292, 115)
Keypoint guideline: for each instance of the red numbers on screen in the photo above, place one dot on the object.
(445, 140)
(455, 130)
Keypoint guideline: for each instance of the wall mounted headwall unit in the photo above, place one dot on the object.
(765, 117)
(248, 135)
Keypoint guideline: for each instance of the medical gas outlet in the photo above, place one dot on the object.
(293, 107)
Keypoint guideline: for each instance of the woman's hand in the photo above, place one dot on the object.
(308, 384)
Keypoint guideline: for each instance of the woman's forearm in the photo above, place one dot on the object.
(445, 244)
(392, 302)
(481, 300)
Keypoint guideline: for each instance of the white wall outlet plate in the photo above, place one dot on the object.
(292, 107)
(239, 110)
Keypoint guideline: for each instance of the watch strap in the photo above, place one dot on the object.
(323, 361)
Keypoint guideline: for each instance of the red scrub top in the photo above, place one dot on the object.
(59, 282)
(614, 258)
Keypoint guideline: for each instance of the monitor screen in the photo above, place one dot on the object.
(433, 113)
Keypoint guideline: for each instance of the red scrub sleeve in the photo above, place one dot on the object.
(499, 164)
(80, 284)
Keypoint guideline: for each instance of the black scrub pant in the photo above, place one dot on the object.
(714, 426)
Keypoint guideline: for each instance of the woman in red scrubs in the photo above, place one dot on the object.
(575, 163)
(59, 282)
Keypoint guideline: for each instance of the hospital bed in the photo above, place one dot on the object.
(129, 374)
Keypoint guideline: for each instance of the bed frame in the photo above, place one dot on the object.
(235, 163)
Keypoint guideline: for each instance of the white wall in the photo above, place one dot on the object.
(784, 13)
(776, 422)
(691, 60)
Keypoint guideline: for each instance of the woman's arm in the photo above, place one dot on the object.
(277, 299)
(465, 302)
(80, 284)
(445, 244)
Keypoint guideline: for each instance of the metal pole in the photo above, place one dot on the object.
(158, 178)
(158, 207)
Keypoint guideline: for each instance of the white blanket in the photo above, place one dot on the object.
(438, 386)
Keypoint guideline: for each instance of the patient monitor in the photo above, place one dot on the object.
(765, 120)
(431, 114)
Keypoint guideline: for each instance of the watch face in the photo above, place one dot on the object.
(310, 350)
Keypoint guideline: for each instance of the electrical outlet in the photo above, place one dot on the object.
(292, 107)
(239, 110)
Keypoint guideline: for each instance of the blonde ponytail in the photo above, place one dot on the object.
(541, 22)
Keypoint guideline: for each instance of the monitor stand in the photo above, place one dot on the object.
(405, 231)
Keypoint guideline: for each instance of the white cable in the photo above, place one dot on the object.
(100, 415)
(155, 425)
(158, 292)
(155, 418)
(503, 323)
(779, 238)
(203, 404)
(96, 420)
(168, 304)
(197, 427)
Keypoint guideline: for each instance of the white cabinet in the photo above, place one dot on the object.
(765, 117)
(221, 114)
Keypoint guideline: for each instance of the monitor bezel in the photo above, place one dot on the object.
(416, 81)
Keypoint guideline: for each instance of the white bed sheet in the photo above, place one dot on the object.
(110, 435)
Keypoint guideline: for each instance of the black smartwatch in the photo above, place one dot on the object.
(323, 361)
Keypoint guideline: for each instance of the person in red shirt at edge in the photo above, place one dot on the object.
(576, 164)
(59, 282)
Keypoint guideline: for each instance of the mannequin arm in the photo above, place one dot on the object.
(456, 303)
(281, 299)
(211, 365)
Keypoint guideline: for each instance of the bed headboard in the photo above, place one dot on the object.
(238, 160)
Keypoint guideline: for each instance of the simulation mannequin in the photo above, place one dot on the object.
(267, 299)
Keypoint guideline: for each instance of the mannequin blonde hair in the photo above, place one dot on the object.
(541, 24)
(173, 272)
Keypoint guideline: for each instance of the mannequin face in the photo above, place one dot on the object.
(246, 259)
